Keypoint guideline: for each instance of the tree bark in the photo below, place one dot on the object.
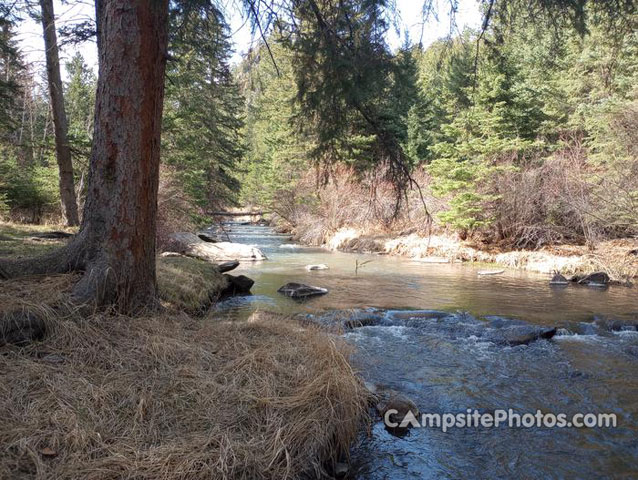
(119, 221)
(62, 149)
(116, 243)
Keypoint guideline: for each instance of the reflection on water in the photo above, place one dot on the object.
(451, 360)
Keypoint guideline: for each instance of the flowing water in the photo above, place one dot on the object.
(436, 338)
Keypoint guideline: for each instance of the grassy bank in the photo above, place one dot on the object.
(169, 395)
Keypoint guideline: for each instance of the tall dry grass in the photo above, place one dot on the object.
(173, 397)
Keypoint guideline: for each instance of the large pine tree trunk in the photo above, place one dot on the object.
(118, 226)
(116, 243)
(62, 149)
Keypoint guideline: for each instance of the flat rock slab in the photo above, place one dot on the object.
(301, 291)
(191, 245)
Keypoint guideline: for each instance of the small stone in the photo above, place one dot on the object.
(320, 266)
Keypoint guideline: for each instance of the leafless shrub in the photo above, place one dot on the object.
(174, 208)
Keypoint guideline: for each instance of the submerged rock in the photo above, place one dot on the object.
(558, 279)
(191, 245)
(524, 334)
(490, 272)
(301, 291)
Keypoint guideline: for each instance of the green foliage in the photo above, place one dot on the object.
(277, 152)
(79, 97)
(529, 96)
(202, 111)
(32, 189)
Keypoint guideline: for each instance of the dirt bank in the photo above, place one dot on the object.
(616, 257)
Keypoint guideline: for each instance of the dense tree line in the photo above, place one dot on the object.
(524, 132)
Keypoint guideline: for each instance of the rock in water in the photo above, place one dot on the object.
(321, 266)
(401, 406)
(20, 328)
(301, 291)
(598, 279)
(228, 266)
(191, 245)
(558, 279)
(237, 285)
(524, 335)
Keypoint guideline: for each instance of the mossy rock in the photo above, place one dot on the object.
(189, 284)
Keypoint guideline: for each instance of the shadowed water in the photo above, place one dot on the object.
(451, 358)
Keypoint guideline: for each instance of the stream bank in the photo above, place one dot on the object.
(449, 340)
(617, 258)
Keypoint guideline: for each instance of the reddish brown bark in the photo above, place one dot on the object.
(118, 227)
(116, 243)
(62, 149)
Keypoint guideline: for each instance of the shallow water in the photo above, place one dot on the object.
(450, 359)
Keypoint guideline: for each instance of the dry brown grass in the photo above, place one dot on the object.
(170, 396)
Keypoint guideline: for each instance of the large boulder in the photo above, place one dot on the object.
(191, 245)
(301, 291)
(616, 324)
